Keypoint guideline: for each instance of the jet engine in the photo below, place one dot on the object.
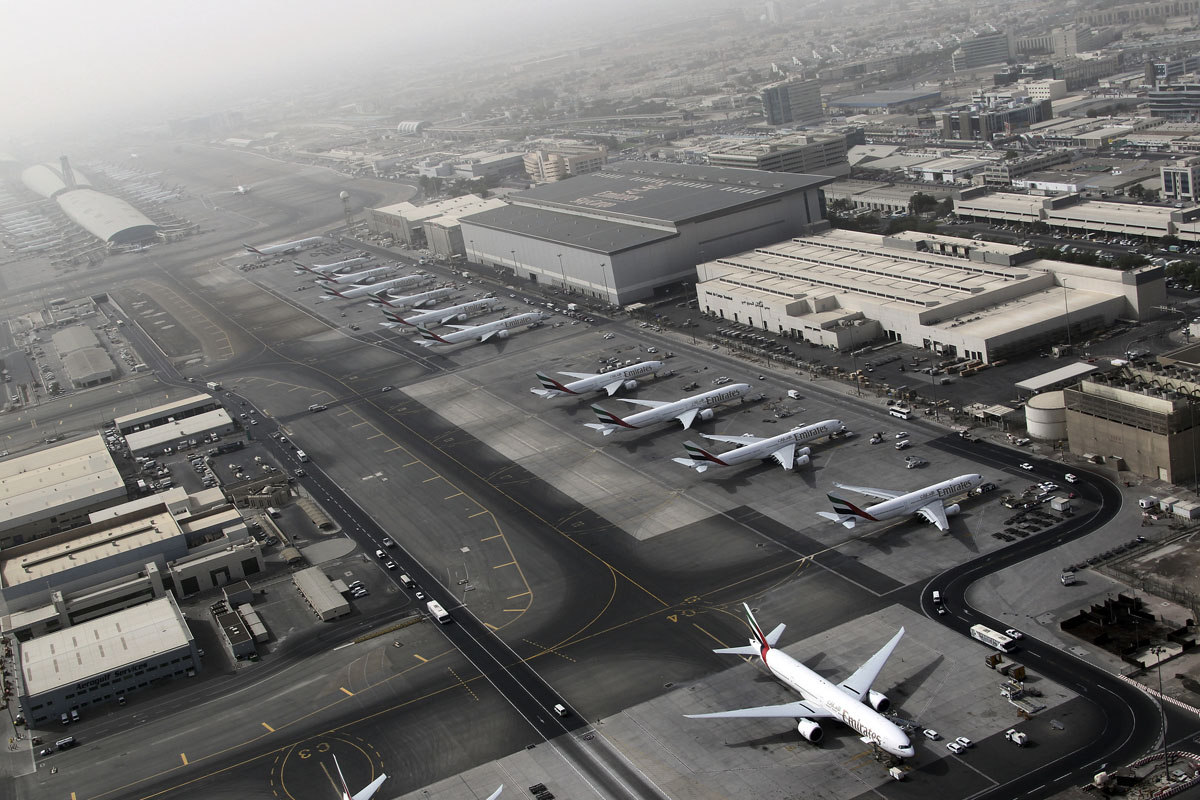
(803, 451)
(425, 303)
(810, 730)
(953, 509)
(878, 701)
(706, 414)
(630, 385)
(460, 317)
(802, 461)
(501, 334)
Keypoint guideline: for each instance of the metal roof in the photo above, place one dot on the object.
(108, 218)
(586, 233)
(47, 179)
(1056, 377)
(57, 479)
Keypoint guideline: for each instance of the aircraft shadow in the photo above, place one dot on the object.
(908, 686)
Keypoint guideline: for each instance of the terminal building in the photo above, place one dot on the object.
(957, 297)
(433, 225)
(634, 228)
(56, 489)
(106, 658)
(814, 154)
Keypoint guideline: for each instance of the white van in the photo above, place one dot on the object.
(303, 456)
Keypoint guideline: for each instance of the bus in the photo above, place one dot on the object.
(437, 612)
(991, 638)
(900, 411)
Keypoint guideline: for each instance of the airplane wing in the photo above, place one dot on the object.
(462, 327)
(860, 682)
(647, 403)
(688, 417)
(935, 512)
(881, 494)
(496, 793)
(580, 375)
(744, 438)
(487, 335)
(369, 792)
(800, 709)
(786, 455)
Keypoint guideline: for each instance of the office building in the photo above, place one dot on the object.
(978, 51)
(792, 102)
(815, 154)
(994, 120)
(1175, 102)
(1127, 13)
(1180, 179)
(547, 166)
(632, 229)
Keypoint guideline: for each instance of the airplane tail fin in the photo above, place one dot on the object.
(609, 421)
(341, 779)
(430, 336)
(252, 249)
(552, 385)
(699, 466)
(699, 454)
(761, 643)
(844, 512)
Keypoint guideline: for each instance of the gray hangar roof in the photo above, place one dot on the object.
(643, 191)
(105, 217)
(588, 233)
(47, 179)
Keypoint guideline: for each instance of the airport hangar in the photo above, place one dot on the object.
(960, 297)
(633, 228)
(108, 218)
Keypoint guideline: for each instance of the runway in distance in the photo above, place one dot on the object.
(781, 448)
(612, 381)
(285, 247)
(377, 288)
(403, 301)
(322, 269)
(928, 503)
(441, 316)
(355, 277)
(498, 329)
(852, 702)
(362, 794)
(685, 410)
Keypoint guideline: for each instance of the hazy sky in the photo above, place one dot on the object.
(67, 61)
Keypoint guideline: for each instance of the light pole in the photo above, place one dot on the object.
(1158, 650)
(471, 250)
(563, 272)
(604, 277)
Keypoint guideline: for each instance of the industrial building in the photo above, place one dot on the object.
(985, 122)
(55, 489)
(887, 101)
(1180, 179)
(108, 218)
(407, 223)
(190, 406)
(86, 362)
(626, 232)
(157, 438)
(959, 297)
(986, 48)
(886, 197)
(789, 102)
(813, 154)
(104, 659)
(1070, 212)
(326, 600)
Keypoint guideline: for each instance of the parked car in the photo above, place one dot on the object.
(1025, 465)
(955, 747)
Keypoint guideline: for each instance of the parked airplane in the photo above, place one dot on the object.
(442, 316)
(928, 503)
(322, 269)
(685, 410)
(611, 382)
(381, 287)
(362, 794)
(852, 702)
(782, 448)
(405, 301)
(242, 190)
(362, 276)
(496, 329)
(285, 247)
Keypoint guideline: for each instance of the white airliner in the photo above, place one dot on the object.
(403, 301)
(498, 329)
(928, 503)
(242, 190)
(611, 382)
(781, 448)
(285, 247)
(685, 410)
(442, 316)
(852, 701)
(380, 287)
(362, 794)
(355, 277)
(322, 269)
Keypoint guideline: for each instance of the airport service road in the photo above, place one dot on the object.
(1131, 718)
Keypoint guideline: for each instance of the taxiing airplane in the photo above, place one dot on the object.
(927, 503)
(442, 316)
(781, 448)
(284, 247)
(355, 277)
(611, 382)
(852, 702)
(685, 410)
(363, 794)
(322, 269)
(404, 301)
(242, 190)
(380, 287)
(498, 329)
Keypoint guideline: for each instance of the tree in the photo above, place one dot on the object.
(1128, 261)
(1137, 191)
(840, 206)
(1169, 240)
(920, 202)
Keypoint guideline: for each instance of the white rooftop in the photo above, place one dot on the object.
(66, 476)
(1056, 376)
(98, 646)
(165, 410)
(168, 433)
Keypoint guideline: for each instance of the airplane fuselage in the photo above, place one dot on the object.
(479, 331)
(764, 449)
(355, 277)
(381, 286)
(596, 383)
(671, 410)
(284, 247)
(463, 309)
(845, 708)
(908, 504)
(322, 269)
(412, 300)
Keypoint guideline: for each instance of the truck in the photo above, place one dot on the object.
(1067, 578)
(1019, 738)
(213, 386)
(895, 773)
(437, 612)
(991, 638)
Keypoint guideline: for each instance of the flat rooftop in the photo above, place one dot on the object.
(168, 432)
(45, 562)
(61, 477)
(586, 233)
(99, 646)
(165, 410)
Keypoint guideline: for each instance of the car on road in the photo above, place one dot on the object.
(1013, 633)
(387, 388)
(387, 542)
(300, 473)
(419, 595)
(955, 747)
(1071, 478)
(964, 741)
(901, 435)
(381, 555)
(1025, 465)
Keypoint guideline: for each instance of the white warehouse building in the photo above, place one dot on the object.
(633, 228)
(843, 289)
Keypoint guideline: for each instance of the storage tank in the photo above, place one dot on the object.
(1046, 416)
